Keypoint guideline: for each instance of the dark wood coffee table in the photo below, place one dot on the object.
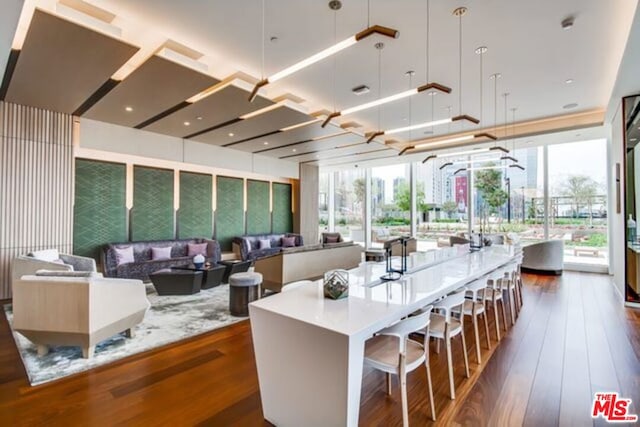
(211, 275)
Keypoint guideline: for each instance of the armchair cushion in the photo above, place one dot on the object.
(50, 255)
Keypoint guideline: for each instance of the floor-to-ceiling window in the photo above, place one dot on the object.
(503, 199)
(323, 202)
(391, 202)
(349, 194)
(442, 207)
(508, 199)
(578, 200)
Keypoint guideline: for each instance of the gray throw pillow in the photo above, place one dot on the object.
(124, 255)
(160, 253)
(264, 244)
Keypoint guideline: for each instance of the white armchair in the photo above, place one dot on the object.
(76, 311)
(23, 265)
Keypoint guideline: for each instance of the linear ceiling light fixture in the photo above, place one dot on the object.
(332, 50)
(432, 122)
(422, 125)
(387, 99)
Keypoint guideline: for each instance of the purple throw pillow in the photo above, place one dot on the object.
(288, 242)
(160, 253)
(331, 239)
(124, 255)
(264, 244)
(194, 249)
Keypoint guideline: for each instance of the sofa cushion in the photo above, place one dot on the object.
(161, 253)
(264, 244)
(194, 249)
(50, 255)
(124, 255)
(288, 242)
(65, 273)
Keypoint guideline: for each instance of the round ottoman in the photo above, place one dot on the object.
(243, 288)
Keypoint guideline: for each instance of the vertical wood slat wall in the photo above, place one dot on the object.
(36, 184)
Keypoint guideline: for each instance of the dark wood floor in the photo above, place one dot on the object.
(573, 338)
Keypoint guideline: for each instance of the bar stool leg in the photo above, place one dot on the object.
(452, 388)
(486, 327)
(495, 313)
(474, 320)
(430, 386)
(464, 351)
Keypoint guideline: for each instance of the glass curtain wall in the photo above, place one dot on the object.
(391, 203)
(578, 200)
(442, 209)
(511, 200)
(576, 207)
(349, 198)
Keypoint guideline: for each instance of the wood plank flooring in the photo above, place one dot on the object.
(572, 339)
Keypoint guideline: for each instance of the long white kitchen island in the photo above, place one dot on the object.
(309, 350)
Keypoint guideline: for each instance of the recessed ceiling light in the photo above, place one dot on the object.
(199, 118)
(266, 143)
(404, 119)
(294, 150)
(128, 109)
(231, 134)
(529, 142)
(187, 123)
(570, 106)
(568, 81)
(633, 139)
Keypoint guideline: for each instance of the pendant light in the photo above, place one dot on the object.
(432, 122)
(330, 51)
(459, 13)
(515, 165)
(430, 87)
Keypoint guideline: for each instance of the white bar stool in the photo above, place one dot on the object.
(392, 351)
(494, 296)
(474, 306)
(444, 326)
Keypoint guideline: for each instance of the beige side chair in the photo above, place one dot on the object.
(76, 311)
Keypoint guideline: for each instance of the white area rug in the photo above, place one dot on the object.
(170, 319)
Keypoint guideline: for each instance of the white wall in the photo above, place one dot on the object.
(101, 136)
(627, 83)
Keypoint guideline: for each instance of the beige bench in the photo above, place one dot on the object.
(300, 264)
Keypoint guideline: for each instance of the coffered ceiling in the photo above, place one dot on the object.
(74, 65)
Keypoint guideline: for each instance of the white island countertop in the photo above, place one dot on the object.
(310, 349)
(373, 304)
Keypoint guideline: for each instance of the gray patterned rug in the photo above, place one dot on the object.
(170, 319)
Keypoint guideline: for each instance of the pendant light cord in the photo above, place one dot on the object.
(427, 62)
(335, 37)
(481, 91)
(379, 83)
(368, 13)
(263, 40)
(410, 104)
(460, 64)
(506, 133)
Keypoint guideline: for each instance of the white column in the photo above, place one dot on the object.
(470, 200)
(367, 208)
(413, 185)
(547, 211)
(331, 202)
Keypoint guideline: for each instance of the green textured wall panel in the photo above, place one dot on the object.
(282, 214)
(99, 210)
(258, 215)
(229, 210)
(195, 215)
(152, 215)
